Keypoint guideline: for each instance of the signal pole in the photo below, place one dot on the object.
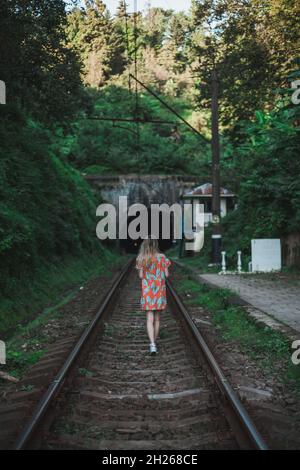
(215, 146)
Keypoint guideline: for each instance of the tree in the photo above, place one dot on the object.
(155, 27)
(278, 29)
(233, 46)
(91, 34)
(41, 73)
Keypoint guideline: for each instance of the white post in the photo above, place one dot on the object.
(239, 263)
(223, 262)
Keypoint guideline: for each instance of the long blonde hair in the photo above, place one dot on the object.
(148, 251)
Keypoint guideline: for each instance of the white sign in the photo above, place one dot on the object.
(266, 254)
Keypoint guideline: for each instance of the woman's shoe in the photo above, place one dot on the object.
(153, 349)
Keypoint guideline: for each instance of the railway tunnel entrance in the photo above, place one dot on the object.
(146, 190)
(132, 246)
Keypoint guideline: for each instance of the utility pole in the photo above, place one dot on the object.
(215, 146)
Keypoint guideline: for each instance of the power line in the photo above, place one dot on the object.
(172, 110)
(140, 120)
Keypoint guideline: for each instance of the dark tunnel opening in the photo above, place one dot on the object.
(132, 246)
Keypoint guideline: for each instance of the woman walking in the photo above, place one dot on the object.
(153, 270)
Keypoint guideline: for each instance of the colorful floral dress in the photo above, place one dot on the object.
(154, 284)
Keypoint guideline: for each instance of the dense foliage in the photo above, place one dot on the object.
(64, 67)
(100, 147)
(268, 168)
(250, 44)
(41, 73)
(46, 208)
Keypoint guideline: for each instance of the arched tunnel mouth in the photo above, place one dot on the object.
(132, 246)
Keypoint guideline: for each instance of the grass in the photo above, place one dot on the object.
(132, 334)
(270, 349)
(213, 300)
(99, 170)
(20, 360)
(264, 344)
(24, 344)
(200, 261)
(108, 330)
(26, 388)
(163, 334)
(83, 372)
(67, 428)
(60, 280)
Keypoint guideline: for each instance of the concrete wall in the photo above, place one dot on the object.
(145, 189)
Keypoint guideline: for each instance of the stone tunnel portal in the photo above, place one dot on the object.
(144, 189)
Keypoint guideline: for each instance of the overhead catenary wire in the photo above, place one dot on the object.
(136, 108)
(137, 119)
(140, 120)
(172, 110)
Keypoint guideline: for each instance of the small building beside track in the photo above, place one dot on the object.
(203, 195)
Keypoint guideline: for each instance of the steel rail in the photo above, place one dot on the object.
(249, 428)
(48, 397)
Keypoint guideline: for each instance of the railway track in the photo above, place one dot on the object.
(111, 394)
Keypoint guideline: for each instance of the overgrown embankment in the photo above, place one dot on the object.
(269, 350)
(47, 222)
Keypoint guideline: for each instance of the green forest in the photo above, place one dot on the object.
(67, 64)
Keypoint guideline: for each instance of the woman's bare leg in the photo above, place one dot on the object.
(150, 326)
(156, 324)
